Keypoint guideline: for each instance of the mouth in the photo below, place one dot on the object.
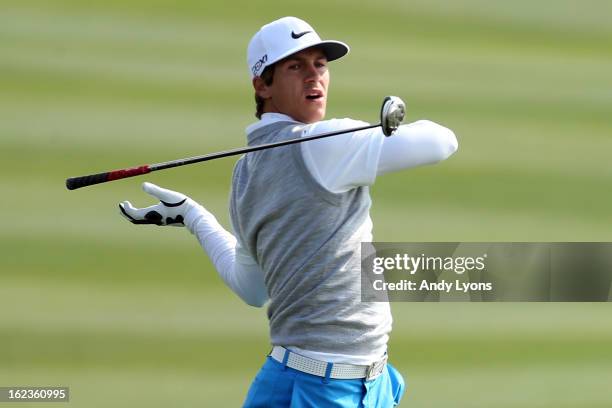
(314, 95)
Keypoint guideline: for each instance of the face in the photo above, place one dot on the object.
(299, 86)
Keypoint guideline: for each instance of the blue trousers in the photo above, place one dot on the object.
(277, 386)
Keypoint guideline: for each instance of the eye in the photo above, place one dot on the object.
(294, 67)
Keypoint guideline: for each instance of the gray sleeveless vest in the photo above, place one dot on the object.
(307, 242)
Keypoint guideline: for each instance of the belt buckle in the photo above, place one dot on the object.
(376, 368)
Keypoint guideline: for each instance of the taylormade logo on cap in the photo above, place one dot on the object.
(284, 37)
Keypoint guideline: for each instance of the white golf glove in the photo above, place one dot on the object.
(171, 210)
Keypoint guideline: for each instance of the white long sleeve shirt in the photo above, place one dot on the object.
(339, 164)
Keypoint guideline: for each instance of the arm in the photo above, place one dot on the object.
(355, 159)
(233, 263)
(416, 144)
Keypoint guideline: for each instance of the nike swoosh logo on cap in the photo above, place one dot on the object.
(296, 36)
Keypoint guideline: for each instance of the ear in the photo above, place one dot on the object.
(261, 89)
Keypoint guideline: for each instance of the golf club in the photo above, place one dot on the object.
(391, 116)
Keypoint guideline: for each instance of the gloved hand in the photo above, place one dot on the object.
(171, 210)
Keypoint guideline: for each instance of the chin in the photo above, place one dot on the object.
(314, 116)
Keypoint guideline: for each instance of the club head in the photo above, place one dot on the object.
(392, 114)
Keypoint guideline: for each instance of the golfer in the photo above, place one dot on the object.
(299, 214)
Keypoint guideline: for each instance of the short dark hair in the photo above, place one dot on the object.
(267, 75)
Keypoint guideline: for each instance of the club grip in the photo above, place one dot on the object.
(77, 182)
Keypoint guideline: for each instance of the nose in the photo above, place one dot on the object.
(312, 72)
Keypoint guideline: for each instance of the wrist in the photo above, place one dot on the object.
(195, 214)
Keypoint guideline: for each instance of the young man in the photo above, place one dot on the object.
(299, 214)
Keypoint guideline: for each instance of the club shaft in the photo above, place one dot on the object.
(248, 149)
(77, 182)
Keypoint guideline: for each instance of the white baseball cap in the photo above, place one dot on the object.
(284, 37)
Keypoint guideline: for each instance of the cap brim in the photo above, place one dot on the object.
(332, 49)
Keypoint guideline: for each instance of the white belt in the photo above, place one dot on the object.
(320, 368)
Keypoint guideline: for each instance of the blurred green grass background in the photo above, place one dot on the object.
(131, 317)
